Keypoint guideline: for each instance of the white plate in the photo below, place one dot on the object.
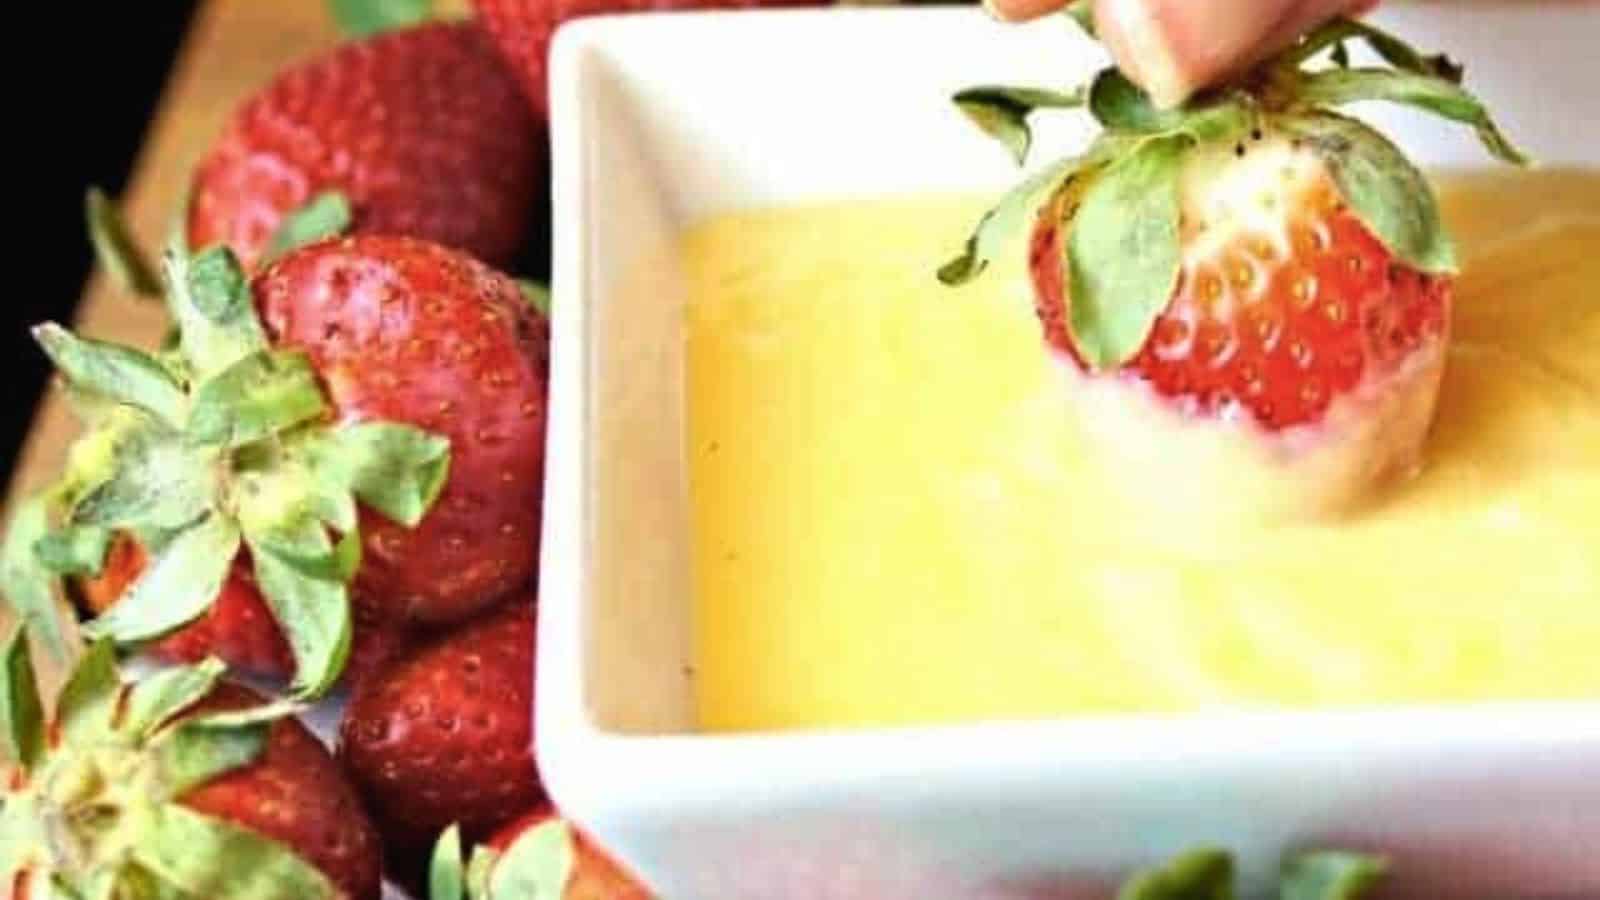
(661, 120)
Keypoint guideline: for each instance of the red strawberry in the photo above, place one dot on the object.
(375, 643)
(533, 856)
(1252, 265)
(422, 130)
(522, 29)
(206, 791)
(1279, 323)
(367, 411)
(407, 331)
(444, 735)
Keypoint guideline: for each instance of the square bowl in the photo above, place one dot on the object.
(662, 120)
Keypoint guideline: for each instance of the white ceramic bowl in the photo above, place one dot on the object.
(660, 120)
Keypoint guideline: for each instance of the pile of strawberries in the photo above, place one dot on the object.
(328, 478)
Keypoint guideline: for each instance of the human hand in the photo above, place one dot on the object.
(1172, 48)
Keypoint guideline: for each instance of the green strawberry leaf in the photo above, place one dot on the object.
(177, 588)
(193, 750)
(208, 857)
(1120, 105)
(313, 612)
(445, 875)
(1013, 214)
(74, 549)
(479, 868)
(260, 395)
(116, 249)
(1336, 87)
(155, 481)
(197, 751)
(1202, 874)
(1122, 252)
(331, 503)
(359, 18)
(1391, 49)
(1116, 102)
(327, 215)
(92, 410)
(102, 888)
(288, 484)
(88, 702)
(250, 715)
(1002, 112)
(1330, 875)
(1390, 196)
(295, 486)
(1082, 12)
(315, 559)
(157, 698)
(127, 880)
(30, 589)
(211, 304)
(20, 707)
(118, 373)
(537, 295)
(396, 469)
(537, 866)
(218, 286)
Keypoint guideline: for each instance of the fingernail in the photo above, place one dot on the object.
(1143, 47)
(1018, 10)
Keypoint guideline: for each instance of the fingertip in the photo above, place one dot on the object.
(1021, 10)
(1140, 40)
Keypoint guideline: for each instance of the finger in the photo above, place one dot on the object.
(1174, 47)
(1305, 17)
(1022, 10)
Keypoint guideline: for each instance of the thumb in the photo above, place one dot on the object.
(1174, 47)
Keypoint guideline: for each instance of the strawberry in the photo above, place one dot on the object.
(522, 29)
(422, 131)
(368, 411)
(408, 331)
(538, 855)
(177, 785)
(1251, 261)
(375, 642)
(1277, 324)
(444, 735)
(238, 628)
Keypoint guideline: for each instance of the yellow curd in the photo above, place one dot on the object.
(896, 520)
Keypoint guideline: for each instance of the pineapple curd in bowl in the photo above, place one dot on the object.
(899, 517)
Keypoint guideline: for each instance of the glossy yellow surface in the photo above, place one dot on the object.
(892, 523)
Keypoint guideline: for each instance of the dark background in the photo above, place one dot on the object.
(82, 102)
